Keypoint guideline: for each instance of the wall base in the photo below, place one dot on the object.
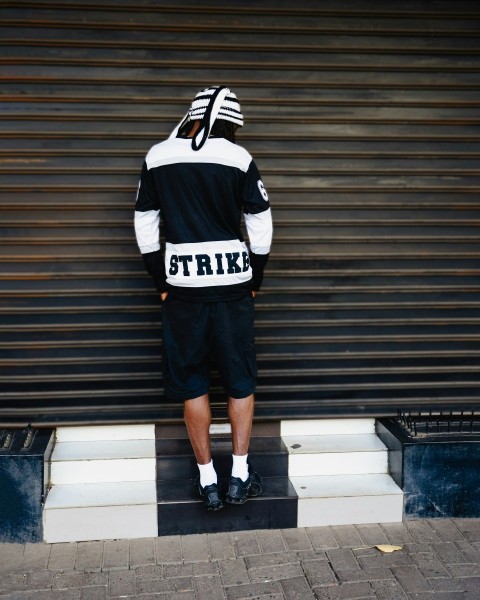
(439, 475)
(23, 455)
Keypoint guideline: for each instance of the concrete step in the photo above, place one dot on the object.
(327, 427)
(336, 454)
(347, 499)
(96, 511)
(175, 459)
(103, 461)
(181, 511)
(105, 433)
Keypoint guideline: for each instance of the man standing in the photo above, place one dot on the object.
(197, 184)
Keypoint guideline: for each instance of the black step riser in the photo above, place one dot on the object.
(173, 467)
(261, 513)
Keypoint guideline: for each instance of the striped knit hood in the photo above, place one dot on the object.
(214, 102)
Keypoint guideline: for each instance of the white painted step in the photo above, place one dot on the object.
(105, 432)
(347, 500)
(98, 511)
(336, 454)
(327, 427)
(103, 461)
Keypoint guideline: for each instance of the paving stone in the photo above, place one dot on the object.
(422, 532)
(347, 536)
(278, 596)
(446, 530)
(142, 552)
(209, 587)
(296, 588)
(89, 556)
(397, 533)
(384, 560)
(366, 551)
(210, 568)
(319, 572)
(471, 584)
(469, 551)
(151, 571)
(38, 580)
(346, 576)
(265, 560)
(322, 537)
(98, 592)
(429, 565)
(35, 556)
(159, 586)
(11, 555)
(9, 582)
(346, 591)
(342, 558)
(469, 570)
(252, 590)
(168, 549)
(372, 535)
(175, 596)
(440, 596)
(411, 579)
(470, 529)
(275, 572)
(195, 548)
(220, 545)
(304, 555)
(167, 596)
(270, 540)
(121, 583)
(22, 582)
(233, 572)
(77, 579)
(388, 590)
(419, 548)
(245, 543)
(191, 569)
(448, 585)
(62, 557)
(44, 595)
(296, 539)
(115, 554)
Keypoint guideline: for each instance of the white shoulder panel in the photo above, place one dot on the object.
(215, 151)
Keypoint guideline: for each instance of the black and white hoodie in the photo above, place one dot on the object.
(199, 198)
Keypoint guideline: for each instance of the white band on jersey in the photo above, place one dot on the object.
(206, 264)
(260, 231)
(147, 230)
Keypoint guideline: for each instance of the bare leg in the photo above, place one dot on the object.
(240, 414)
(198, 417)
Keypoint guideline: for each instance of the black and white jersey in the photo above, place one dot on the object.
(199, 198)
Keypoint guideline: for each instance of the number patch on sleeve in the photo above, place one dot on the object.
(262, 190)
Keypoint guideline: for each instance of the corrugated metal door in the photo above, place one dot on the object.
(364, 120)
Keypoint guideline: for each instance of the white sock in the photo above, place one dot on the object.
(240, 467)
(208, 475)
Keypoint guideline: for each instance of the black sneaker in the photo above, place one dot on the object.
(239, 491)
(210, 494)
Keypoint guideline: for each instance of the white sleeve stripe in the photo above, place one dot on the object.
(147, 230)
(260, 230)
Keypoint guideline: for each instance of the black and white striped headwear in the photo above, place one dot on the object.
(215, 102)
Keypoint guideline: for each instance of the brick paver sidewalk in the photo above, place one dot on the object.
(440, 559)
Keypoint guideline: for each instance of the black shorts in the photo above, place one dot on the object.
(193, 332)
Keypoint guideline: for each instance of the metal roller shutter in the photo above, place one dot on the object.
(364, 120)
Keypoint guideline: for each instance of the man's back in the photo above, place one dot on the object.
(200, 196)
